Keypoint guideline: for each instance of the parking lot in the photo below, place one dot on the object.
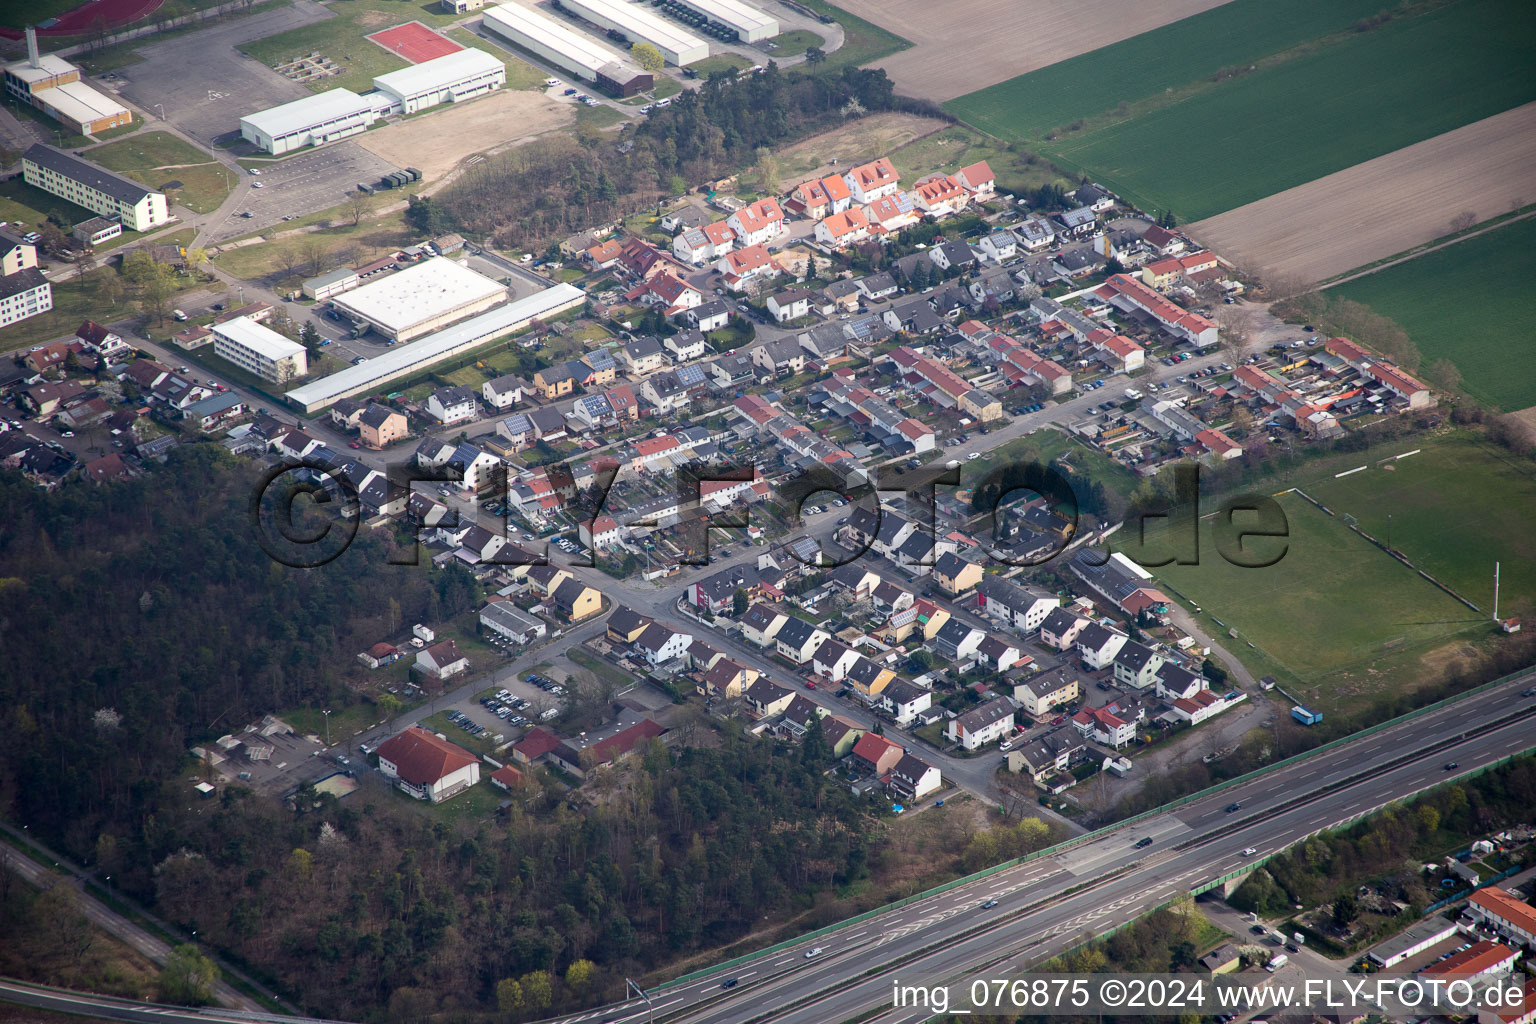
(526, 700)
(301, 184)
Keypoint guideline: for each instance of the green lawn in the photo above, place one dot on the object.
(862, 41)
(958, 146)
(154, 158)
(1497, 268)
(520, 74)
(1326, 614)
(794, 43)
(599, 667)
(598, 117)
(1336, 106)
(1044, 446)
(1170, 57)
(720, 62)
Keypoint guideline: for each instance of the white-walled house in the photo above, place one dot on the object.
(427, 766)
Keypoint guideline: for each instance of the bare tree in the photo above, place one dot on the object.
(287, 259)
(1462, 221)
(1236, 326)
(1283, 285)
(314, 255)
(357, 205)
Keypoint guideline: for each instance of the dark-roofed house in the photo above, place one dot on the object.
(761, 624)
(955, 575)
(798, 640)
(1060, 628)
(998, 654)
(1097, 645)
(912, 778)
(1048, 755)
(441, 660)
(1041, 694)
(508, 620)
(905, 700)
(575, 601)
(94, 187)
(579, 761)
(660, 643)
(767, 697)
(1136, 665)
(625, 624)
(427, 766)
(982, 724)
(957, 641)
(1019, 607)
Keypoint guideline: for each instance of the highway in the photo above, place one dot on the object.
(1052, 904)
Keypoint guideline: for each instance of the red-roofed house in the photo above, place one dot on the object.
(978, 177)
(668, 291)
(872, 181)
(876, 753)
(427, 766)
(1498, 910)
(758, 222)
(843, 229)
(379, 655)
(1523, 1011)
(508, 778)
(1218, 444)
(605, 752)
(742, 267)
(1482, 961)
(539, 742)
(108, 467)
(1105, 726)
(604, 254)
(941, 195)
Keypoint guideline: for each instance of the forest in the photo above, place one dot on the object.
(550, 188)
(144, 618)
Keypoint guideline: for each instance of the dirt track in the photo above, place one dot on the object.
(435, 143)
(960, 46)
(1383, 206)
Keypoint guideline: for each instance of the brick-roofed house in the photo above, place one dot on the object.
(379, 655)
(427, 766)
(1500, 911)
(508, 778)
(537, 744)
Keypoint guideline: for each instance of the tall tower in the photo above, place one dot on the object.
(32, 57)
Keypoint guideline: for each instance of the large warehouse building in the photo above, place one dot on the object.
(259, 350)
(751, 24)
(421, 299)
(373, 375)
(97, 189)
(447, 79)
(676, 44)
(577, 54)
(312, 121)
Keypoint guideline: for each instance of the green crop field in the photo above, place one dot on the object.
(1497, 267)
(1171, 57)
(1367, 95)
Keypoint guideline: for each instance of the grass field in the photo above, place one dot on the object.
(520, 74)
(1496, 267)
(1171, 57)
(1319, 112)
(795, 42)
(720, 62)
(154, 158)
(1334, 602)
(863, 42)
(343, 40)
(957, 146)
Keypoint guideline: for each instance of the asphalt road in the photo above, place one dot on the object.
(930, 942)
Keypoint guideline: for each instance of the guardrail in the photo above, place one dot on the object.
(1088, 837)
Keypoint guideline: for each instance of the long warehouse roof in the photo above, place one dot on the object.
(640, 22)
(570, 44)
(438, 73)
(307, 112)
(430, 289)
(733, 13)
(403, 358)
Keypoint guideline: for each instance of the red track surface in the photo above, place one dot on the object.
(84, 18)
(414, 41)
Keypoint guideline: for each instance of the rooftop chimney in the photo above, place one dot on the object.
(32, 57)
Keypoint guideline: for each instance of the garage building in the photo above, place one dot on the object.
(374, 374)
(566, 49)
(312, 121)
(421, 299)
(676, 44)
(751, 24)
(447, 79)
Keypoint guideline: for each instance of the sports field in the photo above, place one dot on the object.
(415, 42)
(1171, 57)
(1332, 606)
(1495, 350)
(1369, 94)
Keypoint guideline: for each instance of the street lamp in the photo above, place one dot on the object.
(650, 1013)
(327, 715)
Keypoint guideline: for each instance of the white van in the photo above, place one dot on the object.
(1132, 394)
(178, 314)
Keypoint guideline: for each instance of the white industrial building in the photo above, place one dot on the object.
(373, 374)
(751, 24)
(94, 187)
(259, 350)
(448, 79)
(312, 121)
(569, 50)
(421, 299)
(676, 44)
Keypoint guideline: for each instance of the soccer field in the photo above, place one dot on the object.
(1232, 35)
(1497, 267)
(1321, 111)
(1333, 603)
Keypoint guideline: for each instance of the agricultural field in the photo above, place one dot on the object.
(1318, 112)
(154, 158)
(1496, 267)
(1171, 57)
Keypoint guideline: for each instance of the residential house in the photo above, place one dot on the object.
(998, 654)
(912, 778)
(1047, 756)
(508, 620)
(978, 178)
(766, 697)
(1097, 645)
(790, 305)
(955, 575)
(1008, 602)
(700, 245)
(952, 255)
(451, 405)
(504, 392)
(103, 342)
(1136, 665)
(982, 724)
(642, 356)
(441, 661)
(905, 700)
(575, 601)
(782, 357)
(1042, 693)
(727, 678)
(685, 346)
(426, 766)
(876, 754)
(832, 660)
(535, 745)
(1506, 915)
(957, 641)
(878, 286)
(1113, 725)
(820, 197)
(379, 655)
(757, 222)
(798, 640)
(742, 268)
(379, 426)
(625, 625)
(1060, 629)
(710, 316)
(667, 290)
(868, 678)
(941, 195)
(556, 381)
(841, 230)
(761, 624)
(999, 246)
(871, 181)
(659, 644)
